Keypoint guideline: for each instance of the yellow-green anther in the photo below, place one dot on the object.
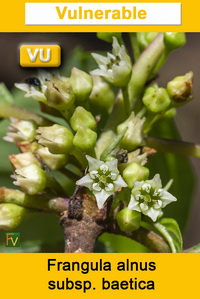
(58, 139)
(59, 94)
(116, 68)
(22, 160)
(108, 36)
(100, 89)
(31, 178)
(174, 40)
(11, 215)
(134, 133)
(21, 130)
(180, 89)
(85, 139)
(81, 83)
(156, 99)
(54, 162)
(145, 38)
(128, 220)
(135, 172)
(82, 117)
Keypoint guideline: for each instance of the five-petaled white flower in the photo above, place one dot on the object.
(148, 197)
(116, 68)
(103, 179)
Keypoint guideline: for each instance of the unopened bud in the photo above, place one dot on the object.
(128, 220)
(100, 89)
(22, 160)
(82, 117)
(145, 38)
(170, 113)
(59, 94)
(54, 162)
(133, 136)
(21, 130)
(81, 83)
(135, 172)
(85, 139)
(31, 178)
(156, 99)
(180, 89)
(174, 40)
(108, 36)
(58, 139)
(11, 215)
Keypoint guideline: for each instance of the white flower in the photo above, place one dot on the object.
(116, 68)
(103, 179)
(148, 197)
(36, 91)
(21, 130)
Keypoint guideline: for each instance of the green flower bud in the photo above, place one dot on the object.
(58, 139)
(134, 134)
(81, 83)
(85, 139)
(23, 160)
(108, 36)
(174, 40)
(156, 99)
(145, 38)
(100, 89)
(135, 172)
(180, 89)
(31, 178)
(82, 117)
(54, 162)
(170, 113)
(21, 130)
(59, 94)
(128, 220)
(11, 215)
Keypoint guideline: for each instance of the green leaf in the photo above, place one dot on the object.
(194, 249)
(5, 95)
(175, 167)
(117, 243)
(169, 229)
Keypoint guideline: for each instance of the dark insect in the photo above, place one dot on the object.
(33, 81)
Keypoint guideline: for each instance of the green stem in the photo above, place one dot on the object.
(134, 45)
(80, 157)
(39, 202)
(174, 146)
(142, 112)
(7, 111)
(143, 68)
(126, 100)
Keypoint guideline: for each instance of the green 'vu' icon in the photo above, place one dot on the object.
(12, 239)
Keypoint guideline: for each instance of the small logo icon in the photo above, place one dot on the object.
(40, 55)
(12, 239)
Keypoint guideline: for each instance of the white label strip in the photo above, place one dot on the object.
(103, 13)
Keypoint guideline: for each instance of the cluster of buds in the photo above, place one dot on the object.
(104, 158)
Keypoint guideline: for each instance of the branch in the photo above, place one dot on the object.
(39, 202)
(7, 111)
(174, 146)
(147, 238)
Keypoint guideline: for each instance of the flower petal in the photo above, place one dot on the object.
(101, 197)
(85, 181)
(167, 198)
